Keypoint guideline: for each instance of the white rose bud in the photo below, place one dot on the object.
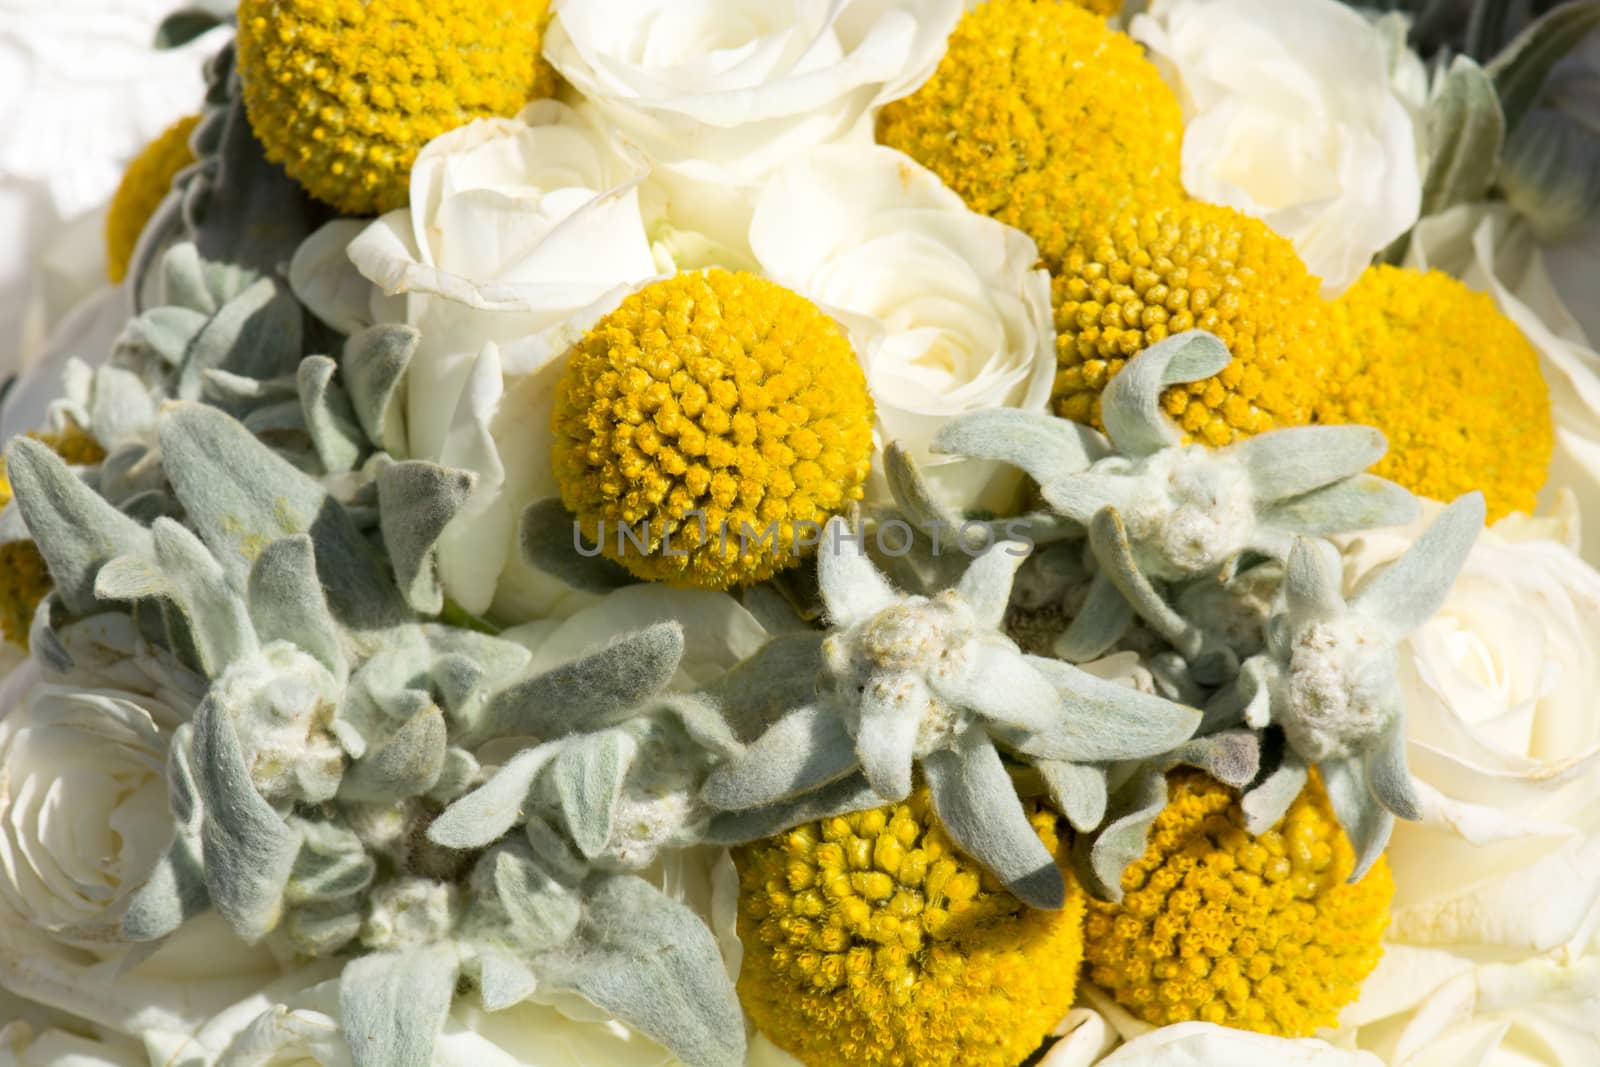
(1290, 115)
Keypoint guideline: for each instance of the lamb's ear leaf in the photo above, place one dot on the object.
(520, 901)
(75, 530)
(287, 602)
(329, 418)
(1101, 858)
(805, 749)
(177, 889)
(549, 540)
(416, 501)
(492, 809)
(589, 693)
(240, 496)
(850, 793)
(374, 364)
(187, 575)
(406, 764)
(257, 334)
(249, 849)
(392, 1005)
(652, 962)
(978, 805)
(588, 775)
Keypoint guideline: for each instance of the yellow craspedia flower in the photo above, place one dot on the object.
(868, 940)
(1044, 118)
(344, 92)
(1452, 382)
(1136, 279)
(144, 184)
(24, 580)
(1256, 932)
(707, 411)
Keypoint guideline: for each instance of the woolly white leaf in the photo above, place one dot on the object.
(392, 1005)
(974, 798)
(807, 748)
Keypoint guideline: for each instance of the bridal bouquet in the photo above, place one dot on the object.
(828, 532)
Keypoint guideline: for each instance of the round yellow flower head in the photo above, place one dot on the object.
(1255, 932)
(1044, 118)
(1451, 382)
(344, 92)
(869, 940)
(24, 580)
(1145, 275)
(144, 184)
(706, 412)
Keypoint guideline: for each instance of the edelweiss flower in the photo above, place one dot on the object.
(926, 682)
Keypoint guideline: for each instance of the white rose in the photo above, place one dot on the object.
(22, 1046)
(84, 818)
(943, 306)
(520, 233)
(1291, 116)
(1491, 250)
(1208, 1045)
(730, 89)
(1498, 886)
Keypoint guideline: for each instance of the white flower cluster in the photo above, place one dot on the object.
(739, 133)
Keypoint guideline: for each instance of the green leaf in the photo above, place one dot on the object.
(287, 602)
(490, 811)
(330, 420)
(1520, 70)
(1047, 448)
(520, 904)
(181, 27)
(406, 764)
(1101, 859)
(1466, 130)
(1367, 822)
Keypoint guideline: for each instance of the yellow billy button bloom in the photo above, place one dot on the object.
(1255, 932)
(1451, 382)
(24, 581)
(707, 412)
(869, 940)
(1145, 275)
(344, 92)
(1044, 118)
(144, 184)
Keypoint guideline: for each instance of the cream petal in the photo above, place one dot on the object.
(1207, 1045)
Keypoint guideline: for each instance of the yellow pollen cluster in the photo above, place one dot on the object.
(1143, 276)
(343, 93)
(1255, 932)
(869, 940)
(144, 184)
(715, 393)
(24, 580)
(1451, 382)
(1044, 118)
